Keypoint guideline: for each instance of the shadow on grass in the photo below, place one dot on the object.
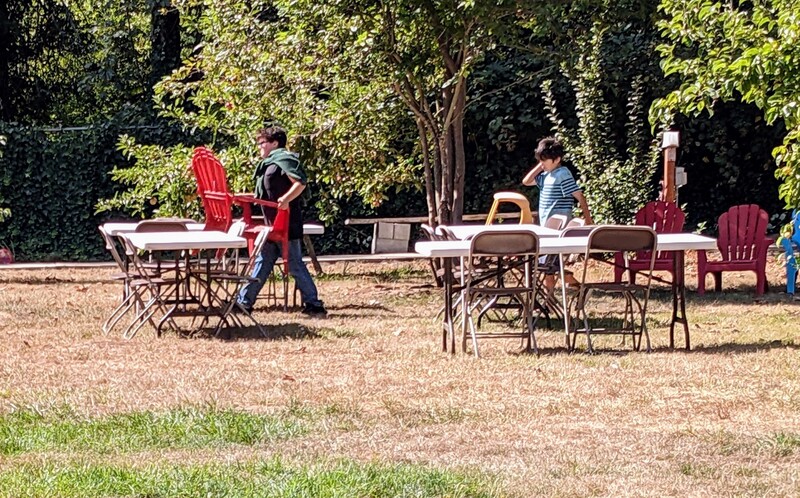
(738, 348)
(741, 295)
(293, 331)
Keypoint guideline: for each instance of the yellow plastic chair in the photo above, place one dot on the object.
(525, 215)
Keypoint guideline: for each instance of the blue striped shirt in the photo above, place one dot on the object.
(555, 192)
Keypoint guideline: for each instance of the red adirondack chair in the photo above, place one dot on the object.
(218, 201)
(743, 244)
(663, 217)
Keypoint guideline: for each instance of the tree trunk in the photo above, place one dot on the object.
(428, 171)
(165, 39)
(447, 153)
(459, 164)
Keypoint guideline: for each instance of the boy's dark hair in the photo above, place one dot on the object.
(273, 134)
(549, 148)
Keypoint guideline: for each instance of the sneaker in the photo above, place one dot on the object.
(314, 310)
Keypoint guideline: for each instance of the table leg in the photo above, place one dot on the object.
(678, 300)
(447, 324)
(312, 254)
(564, 299)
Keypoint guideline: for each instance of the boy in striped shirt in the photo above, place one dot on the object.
(557, 188)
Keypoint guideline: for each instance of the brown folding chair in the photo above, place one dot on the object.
(227, 284)
(502, 249)
(617, 239)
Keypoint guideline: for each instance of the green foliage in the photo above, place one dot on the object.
(160, 182)
(349, 133)
(728, 160)
(50, 179)
(616, 183)
(732, 52)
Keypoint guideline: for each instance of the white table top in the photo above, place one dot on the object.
(466, 231)
(177, 241)
(567, 245)
(118, 228)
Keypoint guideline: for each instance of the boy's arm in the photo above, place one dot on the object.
(530, 178)
(584, 206)
(293, 193)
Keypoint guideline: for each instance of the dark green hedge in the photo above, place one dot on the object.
(51, 180)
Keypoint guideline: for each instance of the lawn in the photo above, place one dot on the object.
(363, 403)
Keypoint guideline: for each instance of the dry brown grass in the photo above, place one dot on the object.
(700, 423)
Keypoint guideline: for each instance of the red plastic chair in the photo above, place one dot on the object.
(212, 188)
(663, 217)
(743, 244)
(218, 201)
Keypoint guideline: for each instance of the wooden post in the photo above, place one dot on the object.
(668, 187)
(669, 145)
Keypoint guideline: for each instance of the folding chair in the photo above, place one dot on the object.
(546, 302)
(124, 276)
(227, 284)
(627, 240)
(501, 248)
(135, 280)
(155, 283)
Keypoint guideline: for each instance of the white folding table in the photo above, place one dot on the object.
(187, 242)
(117, 228)
(677, 242)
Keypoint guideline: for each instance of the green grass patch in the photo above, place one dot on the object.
(271, 478)
(28, 431)
(781, 444)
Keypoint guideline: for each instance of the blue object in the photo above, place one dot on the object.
(789, 245)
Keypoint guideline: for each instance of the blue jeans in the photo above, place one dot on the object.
(264, 263)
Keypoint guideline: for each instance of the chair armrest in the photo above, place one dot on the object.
(250, 198)
(245, 199)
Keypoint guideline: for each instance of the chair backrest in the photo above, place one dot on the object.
(429, 232)
(661, 216)
(556, 222)
(513, 243)
(208, 172)
(218, 207)
(794, 236)
(742, 232)
(522, 202)
(112, 248)
(161, 225)
(622, 238)
(577, 231)
(576, 222)
(212, 188)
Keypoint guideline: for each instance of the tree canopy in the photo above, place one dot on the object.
(746, 51)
